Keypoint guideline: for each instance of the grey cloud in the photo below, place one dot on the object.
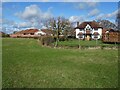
(86, 5)
(93, 12)
(111, 15)
(74, 19)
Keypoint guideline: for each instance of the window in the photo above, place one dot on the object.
(95, 29)
(31, 33)
(88, 27)
(95, 36)
(80, 36)
(81, 29)
(39, 34)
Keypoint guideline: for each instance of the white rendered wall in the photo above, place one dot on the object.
(100, 31)
(77, 32)
(40, 32)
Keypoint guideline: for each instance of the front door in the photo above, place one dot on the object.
(88, 37)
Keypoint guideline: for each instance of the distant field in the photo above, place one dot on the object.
(26, 64)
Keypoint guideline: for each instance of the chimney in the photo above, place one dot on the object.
(77, 24)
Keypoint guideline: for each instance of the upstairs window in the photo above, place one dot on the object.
(81, 36)
(31, 33)
(95, 29)
(81, 29)
(95, 36)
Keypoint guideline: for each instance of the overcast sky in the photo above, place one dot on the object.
(22, 15)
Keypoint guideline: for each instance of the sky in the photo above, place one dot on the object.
(23, 15)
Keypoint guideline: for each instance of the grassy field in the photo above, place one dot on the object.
(26, 64)
(76, 42)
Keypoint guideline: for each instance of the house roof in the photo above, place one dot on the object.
(27, 31)
(108, 29)
(47, 31)
(1, 33)
(20, 32)
(93, 24)
(30, 31)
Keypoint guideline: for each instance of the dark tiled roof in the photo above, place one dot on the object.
(47, 31)
(27, 31)
(2, 32)
(93, 24)
(31, 31)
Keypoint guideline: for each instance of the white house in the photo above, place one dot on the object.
(44, 32)
(88, 30)
(41, 33)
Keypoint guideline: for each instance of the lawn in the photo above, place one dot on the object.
(26, 64)
(76, 42)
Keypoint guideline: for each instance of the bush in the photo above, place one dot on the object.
(36, 37)
(5, 35)
(46, 40)
(61, 38)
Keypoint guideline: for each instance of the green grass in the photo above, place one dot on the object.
(76, 42)
(26, 64)
(0, 63)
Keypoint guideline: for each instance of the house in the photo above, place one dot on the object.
(2, 34)
(44, 32)
(25, 33)
(88, 30)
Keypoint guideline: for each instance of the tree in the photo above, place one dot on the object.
(61, 26)
(118, 19)
(15, 32)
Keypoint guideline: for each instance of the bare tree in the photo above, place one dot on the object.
(60, 25)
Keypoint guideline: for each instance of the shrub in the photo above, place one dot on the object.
(36, 37)
(46, 40)
(5, 35)
(61, 38)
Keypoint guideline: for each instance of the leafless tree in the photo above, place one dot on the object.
(60, 25)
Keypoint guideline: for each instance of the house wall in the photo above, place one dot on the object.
(77, 32)
(98, 37)
(88, 27)
(99, 30)
(40, 33)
